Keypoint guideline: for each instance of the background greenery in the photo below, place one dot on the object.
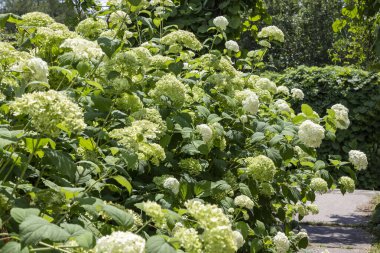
(359, 91)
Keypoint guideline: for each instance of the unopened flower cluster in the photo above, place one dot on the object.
(271, 32)
(49, 109)
(260, 168)
(319, 185)
(347, 184)
(120, 242)
(341, 116)
(311, 134)
(358, 159)
(191, 165)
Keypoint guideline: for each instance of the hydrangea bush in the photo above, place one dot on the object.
(166, 146)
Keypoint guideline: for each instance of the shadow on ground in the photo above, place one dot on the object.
(337, 236)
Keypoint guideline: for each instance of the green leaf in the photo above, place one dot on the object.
(303, 243)
(13, 247)
(34, 229)
(244, 189)
(124, 182)
(61, 162)
(20, 214)
(202, 188)
(338, 25)
(157, 244)
(8, 17)
(95, 84)
(256, 245)
(307, 110)
(257, 137)
(83, 237)
(109, 46)
(121, 217)
(243, 227)
(260, 228)
(83, 67)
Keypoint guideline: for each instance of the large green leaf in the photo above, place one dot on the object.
(109, 46)
(121, 217)
(157, 244)
(13, 247)
(61, 162)
(83, 237)
(20, 214)
(34, 229)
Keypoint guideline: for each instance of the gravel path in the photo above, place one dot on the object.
(339, 226)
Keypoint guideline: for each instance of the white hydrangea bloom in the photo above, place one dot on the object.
(49, 109)
(39, 69)
(172, 184)
(239, 240)
(232, 45)
(220, 22)
(281, 242)
(271, 32)
(120, 242)
(341, 116)
(251, 104)
(84, 49)
(282, 105)
(283, 89)
(243, 201)
(155, 211)
(311, 134)
(297, 94)
(358, 159)
(266, 84)
(189, 238)
(244, 118)
(319, 185)
(205, 131)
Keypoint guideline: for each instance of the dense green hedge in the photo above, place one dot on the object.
(358, 90)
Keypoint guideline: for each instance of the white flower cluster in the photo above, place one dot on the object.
(271, 32)
(33, 69)
(347, 184)
(120, 242)
(260, 168)
(36, 19)
(281, 242)
(182, 37)
(118, 18)
(249, 100)
(266, 84)
(172, 184)
(49, 109)
(91, 28)
(243, 201)
(205, 131)
(319, 185)
(358, 159)
(283, 90)
(297, 94)
(221, 22)
(189, 238)
(232, 45)
(311, 134)
(155, 211)
(341, 116)
(282, 105)
(169, 86)
(84, 49)
(239, 240)
(218, 235)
